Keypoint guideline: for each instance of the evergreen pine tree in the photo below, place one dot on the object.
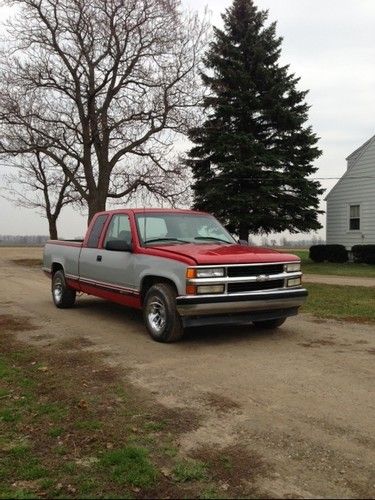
(254, 153)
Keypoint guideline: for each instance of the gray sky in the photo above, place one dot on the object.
(331, 46)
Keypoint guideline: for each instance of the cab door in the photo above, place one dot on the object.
(108, 269)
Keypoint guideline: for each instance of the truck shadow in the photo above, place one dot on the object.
(215, 334)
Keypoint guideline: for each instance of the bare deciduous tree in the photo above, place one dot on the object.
(37, 183)
(103, 84)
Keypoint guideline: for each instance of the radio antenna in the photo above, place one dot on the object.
(144, 224)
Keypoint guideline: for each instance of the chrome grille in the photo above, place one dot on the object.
(252, 287)
(245, 279)
(239, 271)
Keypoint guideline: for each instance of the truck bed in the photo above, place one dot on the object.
(67, 256)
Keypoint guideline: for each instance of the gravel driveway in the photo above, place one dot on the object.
(339, 280)
(302, 397)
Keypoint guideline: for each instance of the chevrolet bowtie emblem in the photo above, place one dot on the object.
(263, 277)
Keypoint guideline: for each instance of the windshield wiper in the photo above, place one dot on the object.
(165, 239)
(211, 238)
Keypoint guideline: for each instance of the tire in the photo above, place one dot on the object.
(270, 323)
(160, 314)
(62, 296)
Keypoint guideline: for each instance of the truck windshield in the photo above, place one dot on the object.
(167, 229)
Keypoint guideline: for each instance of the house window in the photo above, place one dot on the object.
(354, 218)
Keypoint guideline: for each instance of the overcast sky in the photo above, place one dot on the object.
(331, 46)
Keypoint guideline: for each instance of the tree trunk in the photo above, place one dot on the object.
(95, 205)
(52, 228)
(244, 232)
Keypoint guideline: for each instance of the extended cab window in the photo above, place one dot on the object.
(119, 229)
(96, 231)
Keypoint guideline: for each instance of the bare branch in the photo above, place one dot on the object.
(93, 84)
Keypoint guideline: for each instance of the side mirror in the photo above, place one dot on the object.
(118, 246)
(243, 243)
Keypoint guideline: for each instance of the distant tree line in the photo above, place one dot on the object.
(34, 240)
(293, 243)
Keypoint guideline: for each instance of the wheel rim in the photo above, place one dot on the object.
(58, 290)
(156, 315)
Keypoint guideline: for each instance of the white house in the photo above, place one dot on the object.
(351, 202)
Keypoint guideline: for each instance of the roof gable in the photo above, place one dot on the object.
(353, 160)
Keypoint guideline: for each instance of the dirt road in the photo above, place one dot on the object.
(302, 397)
(339, 280)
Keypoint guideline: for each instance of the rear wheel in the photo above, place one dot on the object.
(160, 314)
(63, 296)
(270, 323)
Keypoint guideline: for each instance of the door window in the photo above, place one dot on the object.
(119, 229)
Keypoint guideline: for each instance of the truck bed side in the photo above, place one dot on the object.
(64, 254)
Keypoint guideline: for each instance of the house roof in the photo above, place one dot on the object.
(353, 158)
(360, 150)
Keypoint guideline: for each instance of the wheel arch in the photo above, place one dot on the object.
(150, 280)
(57, 266)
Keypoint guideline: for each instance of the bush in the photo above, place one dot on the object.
(357, 251)
(336, 253)
(330, 253)
(364, 254)
(318, 253)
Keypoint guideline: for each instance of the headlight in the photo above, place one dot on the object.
(203, 289)
(293, 268)
(214, 272)
(294, 282)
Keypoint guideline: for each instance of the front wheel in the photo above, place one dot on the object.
(270, 323)
(160, 315)
(63, 296)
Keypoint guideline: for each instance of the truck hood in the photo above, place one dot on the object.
(223, 254)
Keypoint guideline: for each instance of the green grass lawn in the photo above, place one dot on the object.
(347, 269)
(353, 303)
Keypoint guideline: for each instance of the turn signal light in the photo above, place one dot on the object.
(191, 290)
(191, 273)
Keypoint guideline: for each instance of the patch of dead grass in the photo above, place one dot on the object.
(35, 263)
(11, 323)
(220, 403)
(323, 342)
(235, 467)
(75, 343)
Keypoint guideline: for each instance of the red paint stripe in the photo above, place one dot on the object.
(117, 297)
(73, 283)
(110, 286)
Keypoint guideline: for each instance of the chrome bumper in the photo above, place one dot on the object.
(197, 305)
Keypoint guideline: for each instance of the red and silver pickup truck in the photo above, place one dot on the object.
(181, 267)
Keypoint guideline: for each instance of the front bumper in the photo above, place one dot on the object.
(252, 302)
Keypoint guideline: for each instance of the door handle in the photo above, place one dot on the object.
(99, 258)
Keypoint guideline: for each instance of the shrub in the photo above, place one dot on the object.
(357, 251)
(318, 253)
(330, 253)
(364, 254)
(336, 253)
